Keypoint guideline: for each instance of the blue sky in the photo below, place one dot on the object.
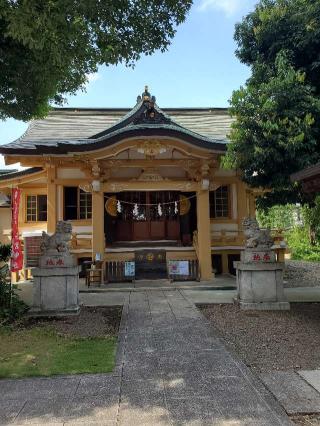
(199, 69)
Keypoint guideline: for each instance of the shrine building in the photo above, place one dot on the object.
(143, 185)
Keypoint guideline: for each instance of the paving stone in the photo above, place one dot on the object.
(144, 367)
(205, 363)
(39, 387)
(9, 409)
(89, 423)
(140, 342)
(42, 410)
(192, 411)
(142, 416)
(98, 384)
(171, 369)
(38, 424)
(295, 395)
(205, 388)
(95, 408)
(150, 394)
(312, 377)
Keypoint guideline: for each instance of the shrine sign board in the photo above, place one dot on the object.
(179, 267)
(129, 269)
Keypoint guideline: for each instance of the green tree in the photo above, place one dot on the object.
(311, 215)
(279, 216)
(48, 47)
(277, 126)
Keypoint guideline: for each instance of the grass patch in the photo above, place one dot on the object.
(40, 351)
(83, 344)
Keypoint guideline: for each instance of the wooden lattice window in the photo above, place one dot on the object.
(36, 210)
(77, 203)
(85, 205)
(220, 202)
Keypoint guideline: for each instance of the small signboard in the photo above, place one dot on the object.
(179, 267)
(129, 269)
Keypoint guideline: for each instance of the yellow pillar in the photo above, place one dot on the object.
(98, 239)
(242, 202)
(51, 200)
(60, 202)
(204, 234)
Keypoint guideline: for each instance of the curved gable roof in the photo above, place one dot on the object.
(70, 130)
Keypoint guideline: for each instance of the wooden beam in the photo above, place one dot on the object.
(163, 185)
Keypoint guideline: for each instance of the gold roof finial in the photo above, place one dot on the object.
(146, 95)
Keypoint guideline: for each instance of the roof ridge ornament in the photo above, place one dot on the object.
(146, 96)
(148, 112)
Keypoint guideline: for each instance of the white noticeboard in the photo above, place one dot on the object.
(129, 269)
(179, 267)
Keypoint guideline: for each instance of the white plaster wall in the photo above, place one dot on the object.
(5, 225)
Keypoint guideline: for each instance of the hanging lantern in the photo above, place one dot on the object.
(184, 205)
(159, 210)
(118, 206)
(111, 206)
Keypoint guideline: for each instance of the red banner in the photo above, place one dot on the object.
(16, 249)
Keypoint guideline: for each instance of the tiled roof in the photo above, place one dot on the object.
(71, 130)
(14, 174)
(74, 124)
(6, 171)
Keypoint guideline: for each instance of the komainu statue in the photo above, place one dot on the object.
(256, 238)
(59, 241)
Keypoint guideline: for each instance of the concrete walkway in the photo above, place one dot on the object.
(171, 370)
(297, 391)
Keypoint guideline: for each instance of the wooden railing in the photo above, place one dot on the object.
(115, 272)
(195, 243)
(81, 240)
(225, 237)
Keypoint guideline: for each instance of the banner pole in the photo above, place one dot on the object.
(10, 282)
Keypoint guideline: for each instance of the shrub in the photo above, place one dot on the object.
(5, 252)
(300, 246)
(11, 306)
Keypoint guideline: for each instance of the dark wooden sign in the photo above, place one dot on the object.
(151, 264)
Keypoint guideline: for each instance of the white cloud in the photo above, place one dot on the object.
(94, 76)
(228, 7)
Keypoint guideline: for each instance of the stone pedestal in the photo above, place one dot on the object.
(260, 283)
(56, 287)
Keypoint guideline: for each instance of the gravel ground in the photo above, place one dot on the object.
(91, 322)
(311, 420)
(272, 340)
(300, 273)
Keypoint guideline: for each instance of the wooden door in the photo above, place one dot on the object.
(141, 219)
(164, 226)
